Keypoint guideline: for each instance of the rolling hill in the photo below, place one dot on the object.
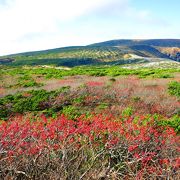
(114, 52)
(148, 42)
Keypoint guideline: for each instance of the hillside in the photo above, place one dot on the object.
(114, 52)
(91, 122)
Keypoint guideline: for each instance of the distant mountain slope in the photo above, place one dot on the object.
(149, 51)
(172, 52)
(108, 52)
(148, 42)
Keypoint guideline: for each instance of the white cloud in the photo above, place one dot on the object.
(41, 24)
(22, 18)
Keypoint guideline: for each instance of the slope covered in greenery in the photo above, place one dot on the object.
(105, 53)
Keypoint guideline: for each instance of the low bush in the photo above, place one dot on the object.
(174, 88)
(88, 70)
(99, 147)
(173, 122)
(30, 101)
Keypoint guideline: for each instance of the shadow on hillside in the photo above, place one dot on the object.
(72, 62)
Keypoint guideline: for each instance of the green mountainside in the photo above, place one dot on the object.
(148, 42)
(115, 52)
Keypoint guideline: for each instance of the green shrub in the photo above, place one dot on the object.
(71, 112)
(127, 111)
(163, 75)
(30, 101)
(174, 88)
(173, 122)
(27, 81)
(79, 100)
(103, 106)
(30, 84)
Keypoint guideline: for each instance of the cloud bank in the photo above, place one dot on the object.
(41, 24)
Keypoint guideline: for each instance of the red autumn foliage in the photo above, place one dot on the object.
(145, 149)
(94, 83)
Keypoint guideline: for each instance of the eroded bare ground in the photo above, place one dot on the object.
(148, 95)
(75, 81)
(78, 80)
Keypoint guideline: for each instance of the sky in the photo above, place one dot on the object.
(29, 25)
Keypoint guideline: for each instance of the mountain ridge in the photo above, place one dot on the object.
(120, 51)
(151, 42)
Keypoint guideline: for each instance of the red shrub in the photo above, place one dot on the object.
(142, 147)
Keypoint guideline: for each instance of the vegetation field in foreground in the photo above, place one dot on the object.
(91, 122)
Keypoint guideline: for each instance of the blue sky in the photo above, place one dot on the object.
(28, 25)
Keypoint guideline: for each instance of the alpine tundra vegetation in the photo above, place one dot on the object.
(90, 109)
